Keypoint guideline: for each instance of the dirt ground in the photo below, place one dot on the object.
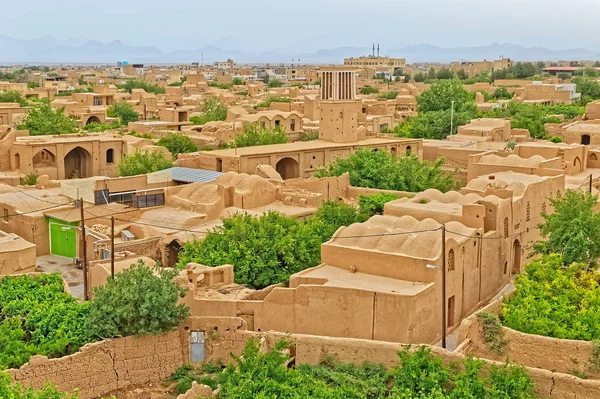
(146, 391)
(72, 275)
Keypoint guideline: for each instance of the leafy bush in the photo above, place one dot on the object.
(274, 83)
(238, 81)
(13, 97)
(573, 229)
(177, 143)
(254, 134)
(555, 139)
(389, 95)
(366, 90)
(141, 162)
(555, 300)
(440, 95)
(9, 390)
(213, 111)
(124, 112)
(501, 93)
(272, 99)
(386, 171)
(139, 300)
(38, 317)
(419, 374)
(29, 180)
(309, 136)
(184, 376)
(224, 86)
(140, 84)
(372, 205)
(95, 127)
(43, 120)
(492, 332)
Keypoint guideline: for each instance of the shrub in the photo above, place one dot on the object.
(43, 120)
(140, 84)
(238, 81)
(492, 332)
(366, 90)
(304, 136)
(555, 139)
(177, 143)
(13, 97)
(139, 300)
(141, 162)
(213, 111)
(29, 180)
(254, 135)
(372, 205)
(389, 95)
(274, 83)
(10, 390)
(224, 86)
(385, 171)
(272, 99)
(124, 112)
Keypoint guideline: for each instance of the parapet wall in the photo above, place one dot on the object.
(105, 366)
(310, 349)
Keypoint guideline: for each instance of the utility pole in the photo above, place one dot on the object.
(452, 119)
(84, 249)
(112, 247)
(444, 286)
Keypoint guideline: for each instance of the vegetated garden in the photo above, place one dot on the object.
(142, 162)
(38, 317)
(559, 293)
(212, 110)
(418, 374)
(268, 249)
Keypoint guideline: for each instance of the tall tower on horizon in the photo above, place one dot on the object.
(339, 107)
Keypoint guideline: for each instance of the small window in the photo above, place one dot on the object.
(110, 156)
(505, 267)
(505, 227)
(5, 215)
(277, 122)
(97, 101)
(528, 212)
(408, 150)
(543, 207)
(451, 260)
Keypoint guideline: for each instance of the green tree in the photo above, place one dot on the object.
(440, 95)
(501, 93)
(13, 97)
(32, 85)
(43, 120)
(462, 75)
(444, 74)
(139, 300)
(573, 229)
(13, 390)
(420, 77)
(564, 76)
(388, 95)
(212, 110)
(366, 90)
(140, 84)
(254, 135)
(588, 87)
(178, 143)
(372, 205)
(275, 83)
(238, 81)
(141, 162)
(124, 112)
(382, 170)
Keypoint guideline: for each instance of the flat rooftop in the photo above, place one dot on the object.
(304, 146)
(337, 277)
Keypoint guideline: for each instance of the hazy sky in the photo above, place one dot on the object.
(269, 25)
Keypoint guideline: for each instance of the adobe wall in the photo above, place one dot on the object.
(561, 355)
(313, 350)
(108, 365)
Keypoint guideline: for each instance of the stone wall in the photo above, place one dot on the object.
(108, 365)
(313, 349)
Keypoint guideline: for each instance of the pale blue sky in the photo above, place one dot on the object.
(269, 25)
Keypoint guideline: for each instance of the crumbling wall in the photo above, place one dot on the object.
(108, 365)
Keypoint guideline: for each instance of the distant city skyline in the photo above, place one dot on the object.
(275, 26)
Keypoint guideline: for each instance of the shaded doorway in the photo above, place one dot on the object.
(577, 164)
(517, 249)
(173, 250)
(288, 168)
(78, 163)
(585, 139)
(93, 119)
(451, 308)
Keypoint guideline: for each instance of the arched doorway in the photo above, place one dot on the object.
(288, 168)
(585, 139)
(172, 253)
(577, 164)
(17, 161)
(517, 250)
(78, 163)
(44, 159)
(93, 119)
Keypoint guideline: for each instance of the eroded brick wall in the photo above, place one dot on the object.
(107, 365)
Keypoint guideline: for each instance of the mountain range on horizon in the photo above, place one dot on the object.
(73, 51)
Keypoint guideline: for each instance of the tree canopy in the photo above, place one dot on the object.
(255, 134)
(440, 95)
(177, 143)
(124, 112)
(382, 170)
(13, 97)
(213, 110)
(141, 162)
(43, 120)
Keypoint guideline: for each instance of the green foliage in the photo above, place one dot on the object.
(492, 332)
(501, 93)
(588, 87)
(555, 300)
(29, 180)
(94, 127)
(43, 120)
(564, 76)
(333, 215)
(13, 97)
(433, 125)
(272, 99)
(140, 84)
(594, 361)
(386, 171)
(366, 90)
(555, 139)
(274, 83)
(242, 93)
(388, 95)
(178, 143)
(440, 95)
(223, 86)
(9, 390)
(184, 376)
(38, 317)
(309, 136)
(418, 375)
(124, 112)
(420, 77)
(372, 205)
(510, 145)
(254, 134)
(444, 74)
(213, 111)
(139, 300)
(141, 162)
(461, 74)
(520, 70)
(573, 229)
(238, 81)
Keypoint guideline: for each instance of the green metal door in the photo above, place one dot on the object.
(63, 238)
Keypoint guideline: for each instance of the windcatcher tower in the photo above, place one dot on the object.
(339, 107)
